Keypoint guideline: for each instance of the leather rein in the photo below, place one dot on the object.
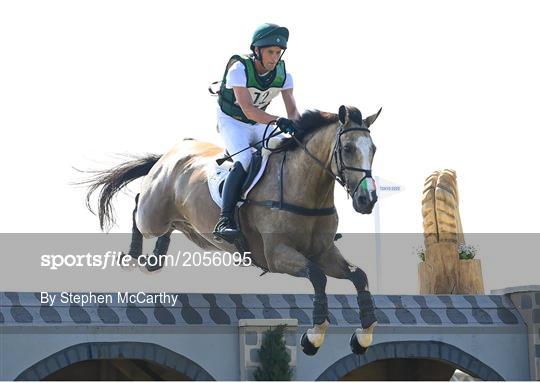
(339, 177)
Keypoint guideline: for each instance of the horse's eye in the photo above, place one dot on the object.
(347, 148)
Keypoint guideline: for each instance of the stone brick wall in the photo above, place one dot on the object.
(527, 301)
(251, 333)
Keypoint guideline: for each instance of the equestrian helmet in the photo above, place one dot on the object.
(270, 35)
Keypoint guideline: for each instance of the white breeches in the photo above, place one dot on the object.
(238, 135)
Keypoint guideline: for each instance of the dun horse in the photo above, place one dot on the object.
(295, 236)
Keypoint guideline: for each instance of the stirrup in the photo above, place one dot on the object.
(226, 230)
(229, 236)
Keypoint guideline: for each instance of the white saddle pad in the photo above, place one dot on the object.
(218, 173)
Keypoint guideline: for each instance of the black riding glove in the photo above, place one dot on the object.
(286, 125)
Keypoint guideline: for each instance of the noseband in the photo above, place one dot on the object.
(340, 165)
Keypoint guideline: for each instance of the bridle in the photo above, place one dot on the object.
(337, 157)
(340, 164)
(340, 177)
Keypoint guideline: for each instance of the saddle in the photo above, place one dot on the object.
(252, 171)
(255, 171)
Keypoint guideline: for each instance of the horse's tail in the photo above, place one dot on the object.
(111, 181)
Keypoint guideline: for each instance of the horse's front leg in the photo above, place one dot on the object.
(334, 265)
(284, 259)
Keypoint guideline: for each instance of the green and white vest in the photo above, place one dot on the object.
(261, 89)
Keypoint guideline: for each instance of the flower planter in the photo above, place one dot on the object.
(470, 277)
(443, 272)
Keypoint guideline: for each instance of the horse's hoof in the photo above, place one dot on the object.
(153, 268)
(130, 266)
(307, 347)
(156, 264)
(122, 255)
(147, 268)
(355, 346)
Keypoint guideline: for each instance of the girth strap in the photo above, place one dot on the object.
(281, 205)
(293, 208)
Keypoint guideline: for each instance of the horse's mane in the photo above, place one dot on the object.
(310, 121)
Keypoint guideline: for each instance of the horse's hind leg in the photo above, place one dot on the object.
(161, 248)
(136, 246)
(334, 265)
(284, 259)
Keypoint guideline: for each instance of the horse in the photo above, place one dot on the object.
(293, 235)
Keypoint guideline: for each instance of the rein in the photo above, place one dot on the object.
(340, 165)
(339, 178)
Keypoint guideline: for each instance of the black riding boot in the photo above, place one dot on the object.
(226, 227)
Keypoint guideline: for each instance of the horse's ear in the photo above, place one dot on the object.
(371, 119)
(343, 115)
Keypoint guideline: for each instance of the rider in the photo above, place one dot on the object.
(249, 84)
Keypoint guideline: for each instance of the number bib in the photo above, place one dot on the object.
(261, 99)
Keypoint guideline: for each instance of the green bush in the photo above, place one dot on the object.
(421, 254)
(274, 357)
(465, 252)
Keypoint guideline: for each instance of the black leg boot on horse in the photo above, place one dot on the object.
(320, 312)
(226, 228)
(136, 246)
(362, 338)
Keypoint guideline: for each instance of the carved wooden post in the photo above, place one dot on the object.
(443, 272)
(439, 272)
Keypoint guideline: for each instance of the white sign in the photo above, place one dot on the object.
(386, 188)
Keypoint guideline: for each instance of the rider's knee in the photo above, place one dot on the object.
(244, 159)
(238, 165)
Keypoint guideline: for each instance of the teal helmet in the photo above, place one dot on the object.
(270, 35)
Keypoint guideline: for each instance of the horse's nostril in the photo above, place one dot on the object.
(362, 200)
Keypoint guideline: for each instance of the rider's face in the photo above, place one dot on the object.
(270, 56)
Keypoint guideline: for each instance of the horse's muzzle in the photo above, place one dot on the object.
(363, 202)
